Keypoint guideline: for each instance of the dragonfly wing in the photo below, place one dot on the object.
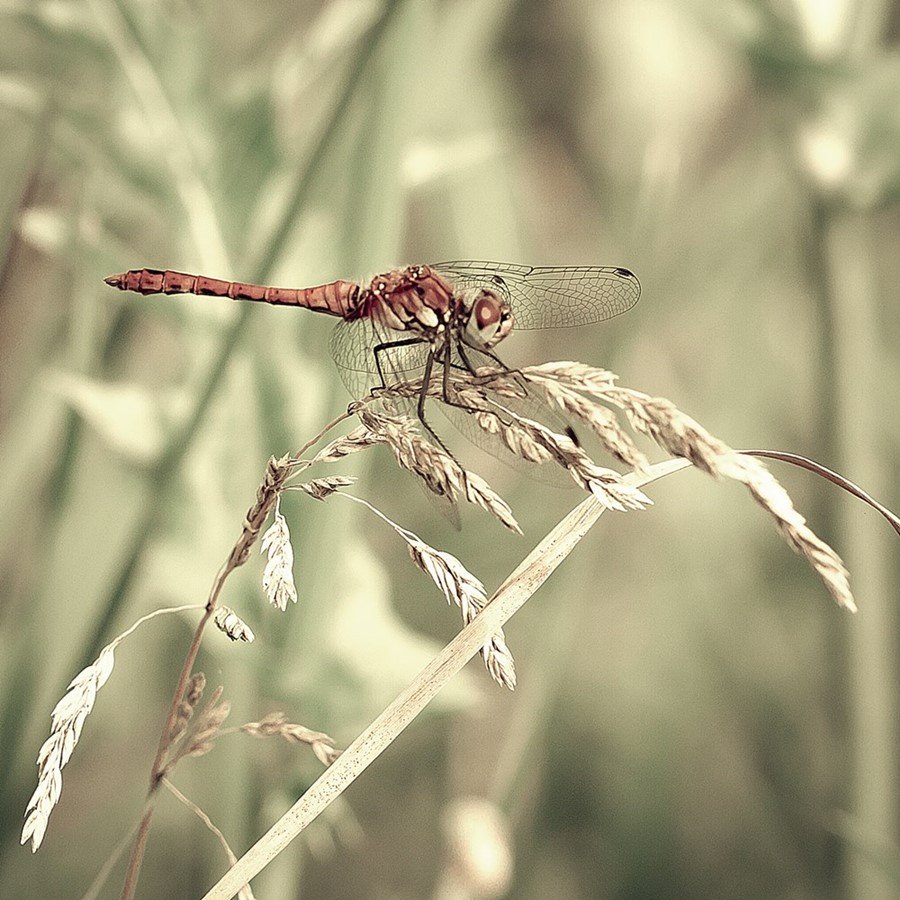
(550, 296)
(353, 346)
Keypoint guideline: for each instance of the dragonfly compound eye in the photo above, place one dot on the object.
(489, 321)
(486, 311)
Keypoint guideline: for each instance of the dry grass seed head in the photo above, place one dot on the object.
(359, 439)
(67, 720)
(463, 589)
(278, 575)
(681, 435)
(603, 422)
(438, 470)
(276, 724)
(206, 726)
(193, 691)
(232, 625)
(322, 488)
(479, 492)
(535, 442)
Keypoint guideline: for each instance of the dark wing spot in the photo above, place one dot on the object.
(624, 273)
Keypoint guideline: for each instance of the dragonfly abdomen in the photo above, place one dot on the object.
(339, 298)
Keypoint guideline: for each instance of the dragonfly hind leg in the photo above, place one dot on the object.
(420, 406)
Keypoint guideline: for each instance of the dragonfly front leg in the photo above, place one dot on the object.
(446, 388)
(519, 379)
(387, 345)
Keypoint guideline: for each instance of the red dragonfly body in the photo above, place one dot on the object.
(411, 299)
(408, 320)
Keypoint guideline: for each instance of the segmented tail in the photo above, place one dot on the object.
(339, 298)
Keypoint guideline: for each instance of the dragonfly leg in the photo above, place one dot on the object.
(387, 345)
(446, 387)
(426, 378)
(520, 380)
(420, 407)
(464, 358)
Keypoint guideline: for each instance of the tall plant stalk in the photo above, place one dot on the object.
(858, 431)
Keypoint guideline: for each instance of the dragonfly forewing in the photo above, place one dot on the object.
(550, 296)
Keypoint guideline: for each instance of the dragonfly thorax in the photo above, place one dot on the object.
(413, 299)
(488, 319)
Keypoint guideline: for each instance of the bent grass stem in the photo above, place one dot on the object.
(515, 591)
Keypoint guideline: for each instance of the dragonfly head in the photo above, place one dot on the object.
(489, 320)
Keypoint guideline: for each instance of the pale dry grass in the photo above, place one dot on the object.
(436, 468)
(460, 588)
(232, 625)
(680, 435)
(67, 720)
(515, 591)
(195, 730)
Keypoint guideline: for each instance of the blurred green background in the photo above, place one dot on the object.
(694, 717)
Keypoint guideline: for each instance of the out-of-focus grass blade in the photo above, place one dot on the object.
(882, 855)
(20, 159)
(129, 418)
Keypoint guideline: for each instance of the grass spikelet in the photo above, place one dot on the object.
(479, 492)
(229, 622)
(461, 588)
(580, 376)
(516, 438)
(437, 469)
(206, 726)
(359, 439)
(321, 488)
(440, 473)
(603, 422)
(66, 723)
(67, 720)
(535, 442)
(278, 575)
(200, 731)
(193, 692)
(276, 724)
(605, 484)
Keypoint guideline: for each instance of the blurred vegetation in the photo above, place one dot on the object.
(694, 719)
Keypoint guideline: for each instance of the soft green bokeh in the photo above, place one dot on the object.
(694, 718)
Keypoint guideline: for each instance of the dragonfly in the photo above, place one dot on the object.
(413, 322)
